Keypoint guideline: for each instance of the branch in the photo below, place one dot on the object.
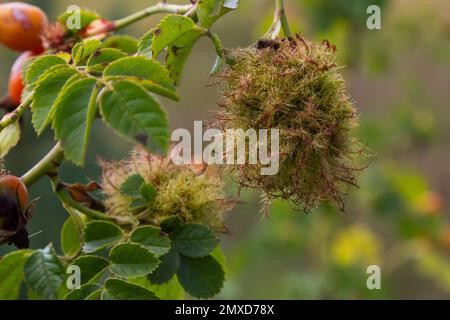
(280, 21)
(49, 163)
(68, 202)
(14, 116)
(161, 7)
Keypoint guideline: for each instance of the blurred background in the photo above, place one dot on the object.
(399, 78)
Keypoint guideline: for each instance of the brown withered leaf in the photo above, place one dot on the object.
(80, 193)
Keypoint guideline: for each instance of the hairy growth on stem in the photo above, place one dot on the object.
(194, 195)
(295, 86)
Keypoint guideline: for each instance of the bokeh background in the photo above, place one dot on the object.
(399, 78)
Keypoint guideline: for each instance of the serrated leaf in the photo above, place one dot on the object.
(44, 273)
(124, 43)
(74, 114)
(178, 53)
(172, 224)
(166, 269)
(171, 30)
(45, 95)
(102, 58)
(148, 192)
(9, 138)
(171, 290)
(194, 240)
(91, 267)
(131, 187)
(152, 239)
(83, 292)
(156, 77)
(208, 12)
(136, 115)
(145, 44)
(40, 65)
(11, 273)
(121, 290)
(71, 238)
(132, 260)
(84, 49)
(201, 277)
(86, 17)
(101, 234)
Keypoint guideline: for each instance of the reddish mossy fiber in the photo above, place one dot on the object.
(295, 86)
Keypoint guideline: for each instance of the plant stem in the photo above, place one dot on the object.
(50, 162)
(12, 117)
(161, 7)
(281, 13)
(61, 191)
(280, 22)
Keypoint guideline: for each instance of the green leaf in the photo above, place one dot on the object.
(91, 267)
(201, 277)
(124, 43)
(152, 239)
(194, 240)
(148, 192)
(171, 290)
(40, 65)
(83, 292)
(209, 11)
(172, 224)
(132, 260)
(171, 29)
(44, 273)
(145, 44)
(176, 59)
(166, 269)
(86, 17)
(45, 94)
(178, 34)
(121, 290)
(131, 187)
(9, 138)
(71, 238)
(74, 115)
(101, 234)
(84, 49)
(11, 273)
(151, 74)
(102, 58)
(136, 115)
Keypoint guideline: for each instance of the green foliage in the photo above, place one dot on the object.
(201, 277)
(152, 238)
(194, 240)
(99, 235)
(121, 290)
(44, 273)
(132, 260)
(11, 273)
(9, 138)
(91, 267)
(71, 238)
(136, 115)
(86, 17)
(151, 254)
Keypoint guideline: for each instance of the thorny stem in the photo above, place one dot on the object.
(161, 7)
(280, 22)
